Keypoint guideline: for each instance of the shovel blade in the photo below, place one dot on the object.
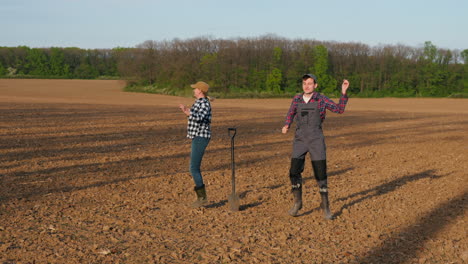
(233, 200)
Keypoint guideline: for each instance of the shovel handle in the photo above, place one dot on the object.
(232, 135)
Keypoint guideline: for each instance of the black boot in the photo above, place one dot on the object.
(297, 193)
(201, 197)
(297, 167)
(325, 205)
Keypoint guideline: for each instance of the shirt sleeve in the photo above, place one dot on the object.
(291, 113)
(199, 112)
(334, 107)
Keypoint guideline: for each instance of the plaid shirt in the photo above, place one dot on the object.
(324, 103)
(199, 119)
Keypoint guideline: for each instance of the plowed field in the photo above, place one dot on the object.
(90, 174)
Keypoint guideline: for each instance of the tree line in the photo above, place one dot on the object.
(266, 66)
(68, 63)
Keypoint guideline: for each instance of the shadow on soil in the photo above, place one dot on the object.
(404, 246)
(242, 207)
(378, 190)
(41, 191)
(385, 188)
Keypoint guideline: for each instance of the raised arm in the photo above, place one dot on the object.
(340, 107)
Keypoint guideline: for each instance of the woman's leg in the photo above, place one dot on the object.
(199, 145)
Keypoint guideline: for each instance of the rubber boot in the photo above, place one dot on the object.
(297, 193)
(325, 205)
(201, 197)
(297, 167)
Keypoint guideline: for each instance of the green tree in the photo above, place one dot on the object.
(57, 63)
(17, 59)
(432, 76)
(464, 55)
(3, 71)
(320, 69)
(37, 63)
(209, 68)
(147, 61)
(273, 81)
(73, 57)
(85, 71)
(274, 77)
(257, 79)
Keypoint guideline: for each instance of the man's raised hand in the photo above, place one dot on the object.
(344, 86)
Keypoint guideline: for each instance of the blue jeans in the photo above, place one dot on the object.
(199, 145)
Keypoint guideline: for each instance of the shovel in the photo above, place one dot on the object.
(233, 198)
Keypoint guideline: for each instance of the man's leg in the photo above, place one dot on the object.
(320, 172)
(297, 167)
(295, 175)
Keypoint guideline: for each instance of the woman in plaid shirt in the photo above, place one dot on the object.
(199, 131)
(309, 108)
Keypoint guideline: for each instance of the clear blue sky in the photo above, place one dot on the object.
(125, 23)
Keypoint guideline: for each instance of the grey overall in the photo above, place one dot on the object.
(309, 139)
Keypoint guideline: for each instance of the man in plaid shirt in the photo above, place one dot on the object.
(199, 131)
(309, 108)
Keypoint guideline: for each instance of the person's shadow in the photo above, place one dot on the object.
(379, 190)
(242, 207)
(406, 244)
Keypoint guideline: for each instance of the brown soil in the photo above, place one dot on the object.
(90, 174)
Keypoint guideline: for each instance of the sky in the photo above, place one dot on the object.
(106, 24)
